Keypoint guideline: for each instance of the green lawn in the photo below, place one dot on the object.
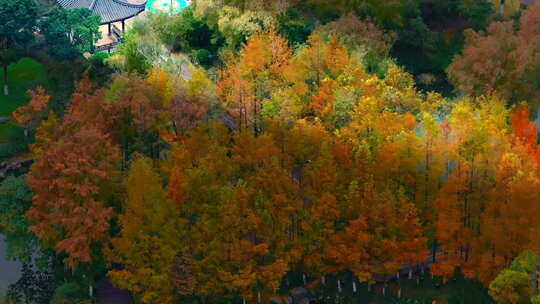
(23, 75)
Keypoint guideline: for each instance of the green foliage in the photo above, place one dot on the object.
(17, 26)
(116, 88)
(519, 282)
(408, 301)
(15, 142)
(68, 293)
(236, 25)
(133, 60)
(185, 32)
(418, 48)
(33, 287)
(391, 13)
(16, 31)
(23, 75)
(528, 262)
(293, 27)
(421, 51)
(99, 71)
(201, 56)
(467, 291)
(510, 286)
(143, 49)
(477, 12)
(22, 15)
(15, 199)
(70, 33)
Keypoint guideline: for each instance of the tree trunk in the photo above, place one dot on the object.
(323, 280)
(259, 296)
(410, 273)
(354, 286)
(369, 287)
(397, 275)
(90, 291)
(339, 286)
(304, 279)
(6, 88)
(399, 293)
(243, 300)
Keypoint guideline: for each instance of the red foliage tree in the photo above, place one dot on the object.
(71, 183)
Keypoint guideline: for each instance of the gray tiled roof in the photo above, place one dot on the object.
(109, 10)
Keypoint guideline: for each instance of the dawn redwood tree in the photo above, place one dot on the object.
(195, 190)
(525, 132)
(148, 243)
(318, 229)
(71, 184)
(276, 202)
(474, 145)
(512, 206)
(247, 81)
(474, 73)
(501, 60)
(412, 242)
(432, 152)
(19, 19)
(348, 250)
(191, 102)
(45, 135)
(183, 275)
(30, 114)
(511, 203)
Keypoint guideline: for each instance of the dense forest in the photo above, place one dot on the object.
(219, 153)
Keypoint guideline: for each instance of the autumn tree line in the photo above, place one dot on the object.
(175, 180)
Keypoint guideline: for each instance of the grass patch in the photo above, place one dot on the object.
(426, 290)
(22, 76)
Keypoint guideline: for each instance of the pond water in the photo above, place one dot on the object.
(167, 6)
(9, 270)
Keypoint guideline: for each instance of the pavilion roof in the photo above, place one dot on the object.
(109, 10)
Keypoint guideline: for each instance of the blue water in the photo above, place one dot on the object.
(165, 6)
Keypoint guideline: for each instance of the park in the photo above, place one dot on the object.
(284, 151)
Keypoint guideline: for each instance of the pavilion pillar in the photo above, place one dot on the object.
(109, 28)
(123, 25)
